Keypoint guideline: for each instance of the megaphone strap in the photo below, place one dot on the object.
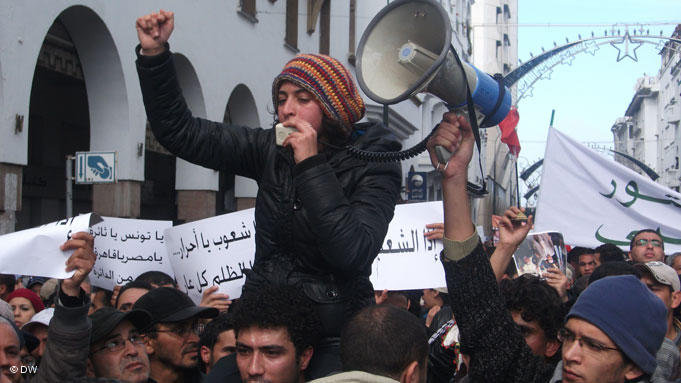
(473, 119)
(500, 98)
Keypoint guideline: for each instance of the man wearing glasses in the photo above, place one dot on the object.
(646, 246)
(172, 339)
(117, 349)
(611, 334)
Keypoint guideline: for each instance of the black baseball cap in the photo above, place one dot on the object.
(169, 305)
(106, 319)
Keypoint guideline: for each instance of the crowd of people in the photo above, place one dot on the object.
(307, 311)
(488, 325)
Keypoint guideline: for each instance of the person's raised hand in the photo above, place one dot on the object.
(154, 30)
(456, 135)
(512, 233)
(437, 231)
(303, 141)
(559, 281)
(211, 298)
(114, 295)
(381, 296)
(431, 314)
(82, 261)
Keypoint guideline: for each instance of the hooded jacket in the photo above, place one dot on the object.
(320, 223)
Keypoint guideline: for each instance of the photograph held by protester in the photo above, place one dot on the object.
(321, 213)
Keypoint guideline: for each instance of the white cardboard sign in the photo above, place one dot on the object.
(36, 251)
(126, 248)
(407, 259)
(212, 251)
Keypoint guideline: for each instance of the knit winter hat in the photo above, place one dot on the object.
(328, 81)
(30, 295)
(627, 312)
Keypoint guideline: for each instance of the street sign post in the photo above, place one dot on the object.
(417, 183)
(96, 167)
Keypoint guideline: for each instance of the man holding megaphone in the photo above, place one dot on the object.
(321, 214)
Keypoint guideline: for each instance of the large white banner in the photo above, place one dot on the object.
(407, 259)
(126, 248)
(36, 251)
(594, 200)
(212, 252)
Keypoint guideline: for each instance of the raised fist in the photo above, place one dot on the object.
(153, 31)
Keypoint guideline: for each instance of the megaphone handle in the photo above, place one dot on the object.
(443, 155)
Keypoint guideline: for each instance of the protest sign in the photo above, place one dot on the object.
(126, 248)
(36, 251)
(407, 259)
(540, 252)
(212, 252)
(594, 200)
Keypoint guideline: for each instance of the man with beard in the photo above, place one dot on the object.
(117, 350)
(172, 339)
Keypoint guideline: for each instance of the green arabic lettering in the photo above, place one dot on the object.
(665, 239)
(614, 188)
(660, 200)
(632, 190)
(674, 241)
(602, 239)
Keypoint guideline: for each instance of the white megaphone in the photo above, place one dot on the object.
(406, 49)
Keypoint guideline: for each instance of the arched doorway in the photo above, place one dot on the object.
(59, 125)
(78, 103)
(235, 192)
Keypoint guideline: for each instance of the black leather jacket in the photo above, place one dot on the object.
(320, 223)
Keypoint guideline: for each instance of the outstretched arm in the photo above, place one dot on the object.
(511, 235)
(68, 339)
(497, 349)
(213, 145)
(455, 135)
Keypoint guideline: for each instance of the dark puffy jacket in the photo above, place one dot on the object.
(320, 223)
(68, 343)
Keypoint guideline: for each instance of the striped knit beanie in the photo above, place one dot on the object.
(328, 81)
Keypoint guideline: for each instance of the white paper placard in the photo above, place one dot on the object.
(36, 251)
(212, 251)
(126, 248)
(407, 259)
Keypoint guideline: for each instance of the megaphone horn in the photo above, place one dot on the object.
(406, 49)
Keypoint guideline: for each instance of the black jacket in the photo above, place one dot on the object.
(497, 350)
(320, 223)
(68, 341)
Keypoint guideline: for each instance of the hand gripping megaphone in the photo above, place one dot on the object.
(406, 49)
